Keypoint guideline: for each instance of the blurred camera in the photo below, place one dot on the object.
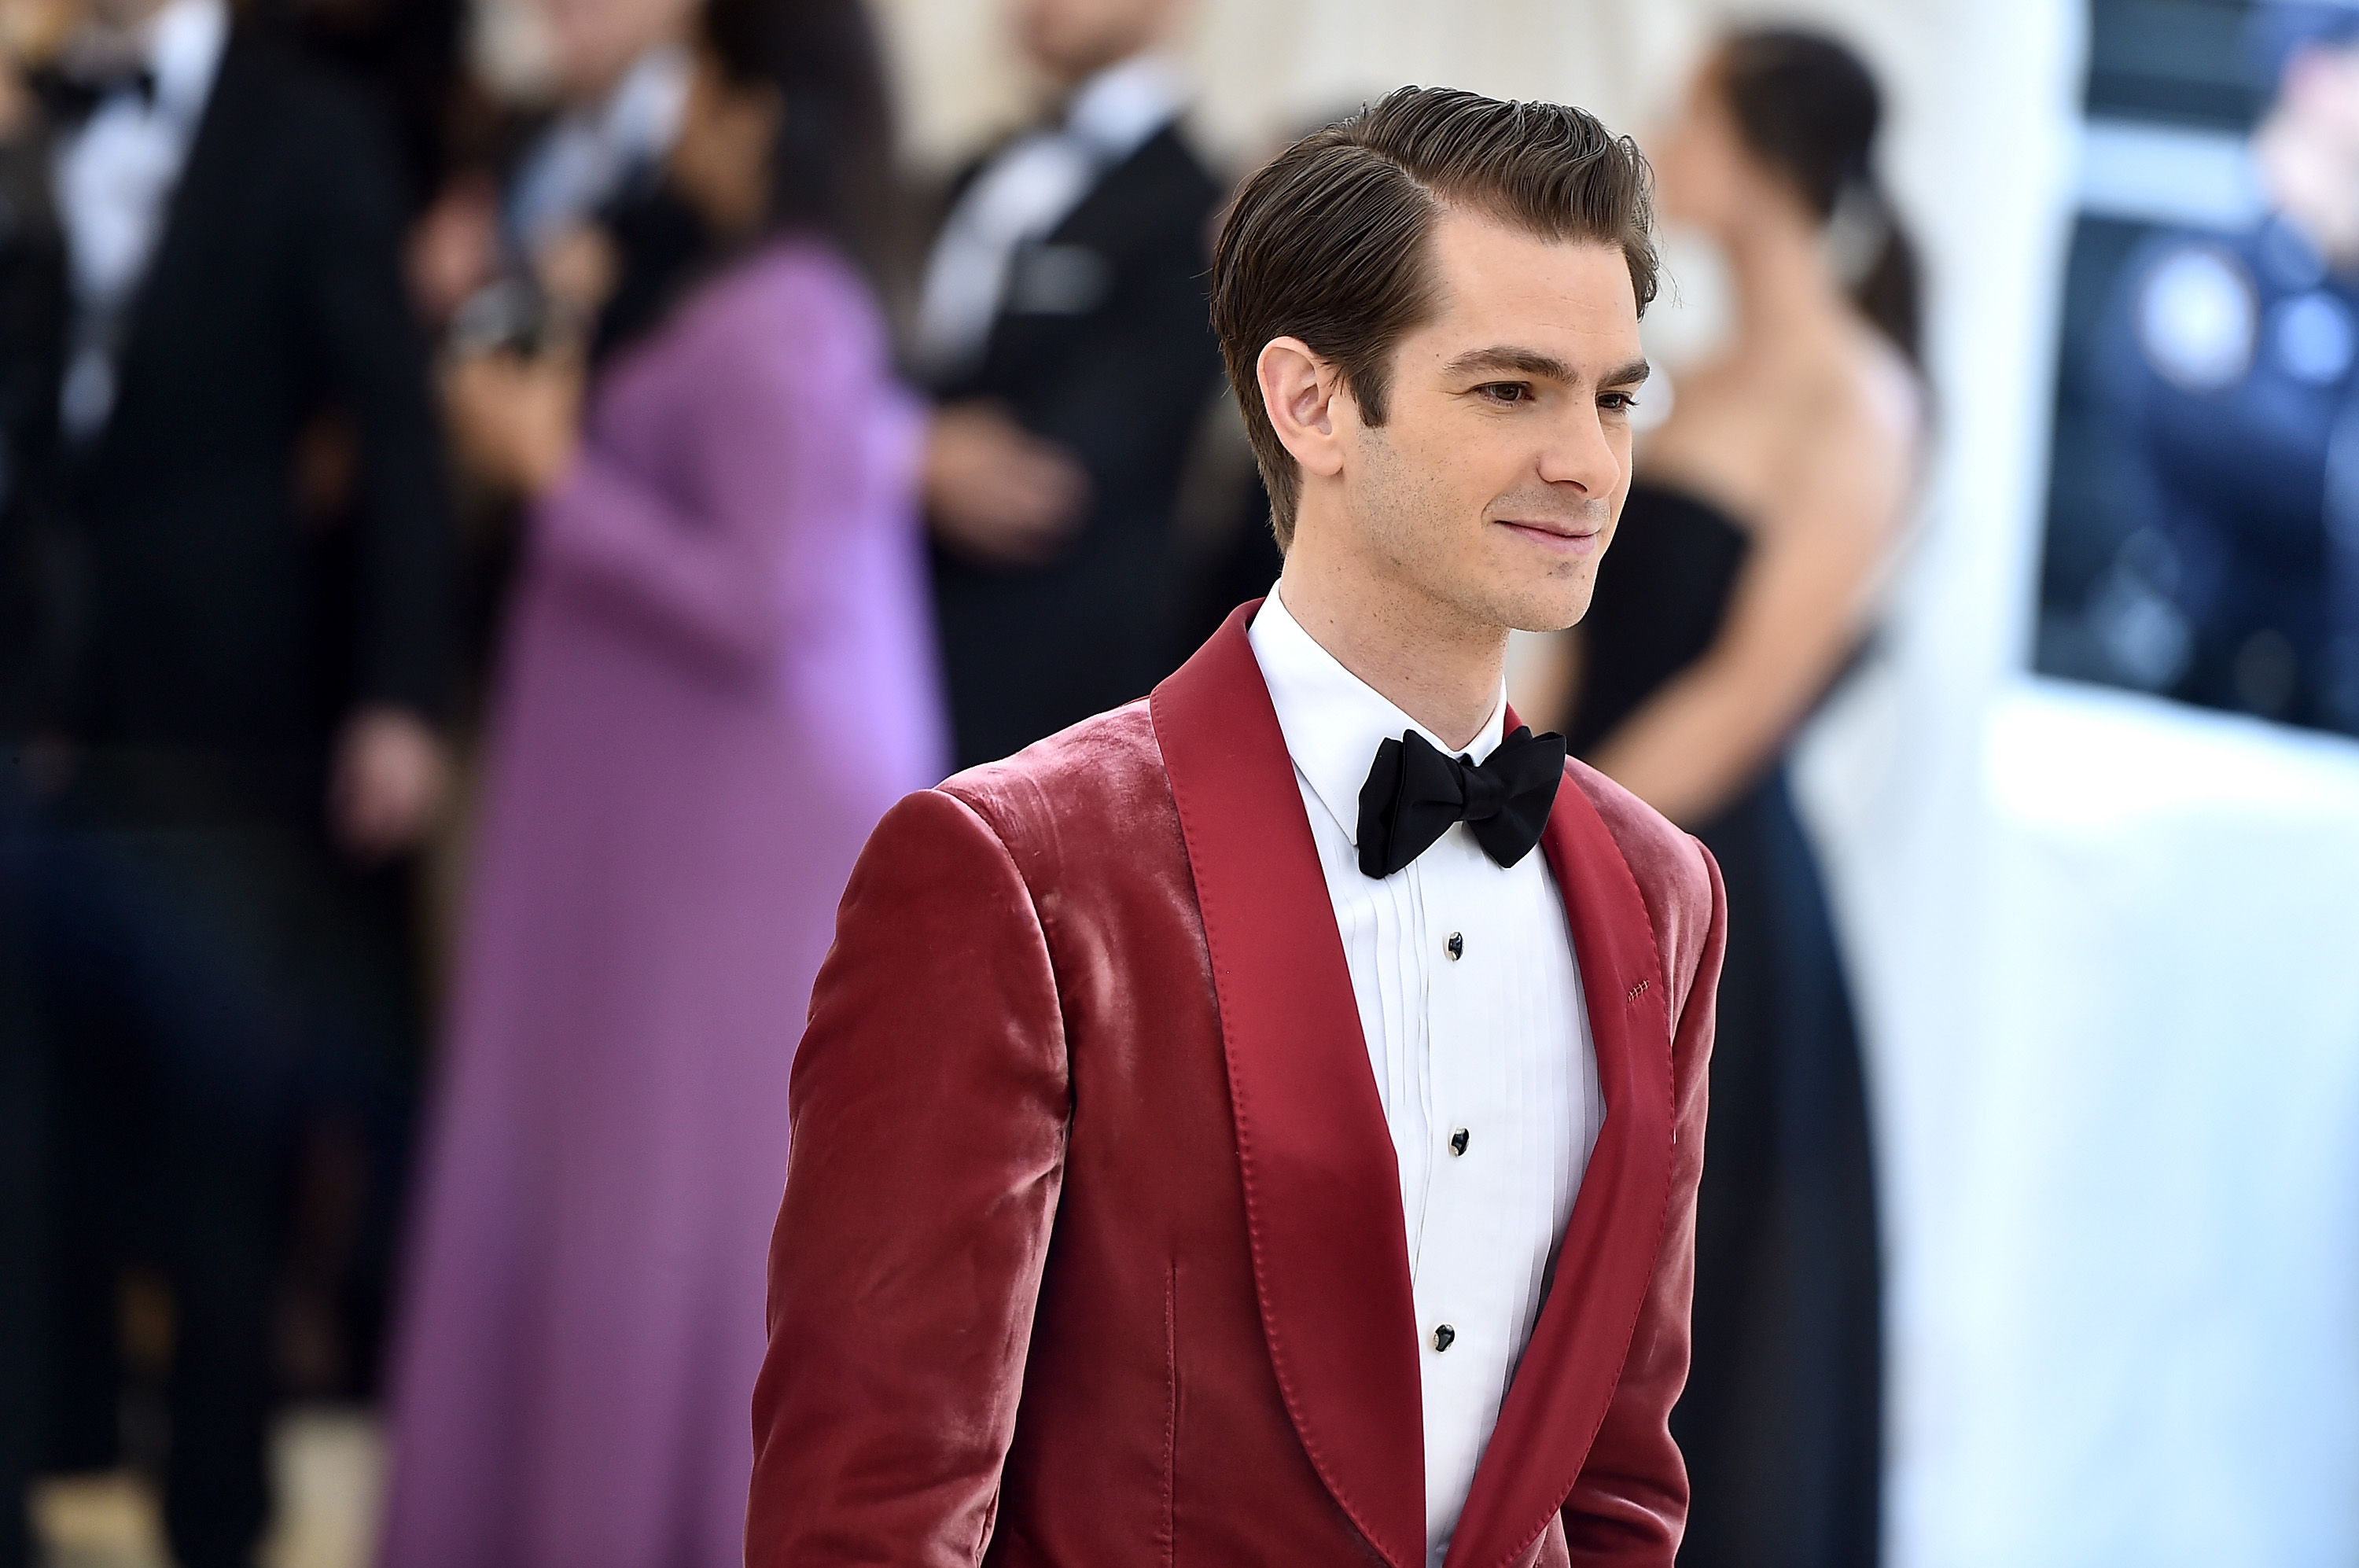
(512, 315)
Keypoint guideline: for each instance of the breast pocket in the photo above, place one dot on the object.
(1058, 280)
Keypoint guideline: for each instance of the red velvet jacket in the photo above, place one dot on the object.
(1091, 1250)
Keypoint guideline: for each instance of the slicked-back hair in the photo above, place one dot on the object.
(1332, 241)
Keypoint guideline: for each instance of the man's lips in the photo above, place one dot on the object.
(1567, 539)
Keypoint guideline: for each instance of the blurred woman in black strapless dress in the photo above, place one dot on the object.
(1737, 586)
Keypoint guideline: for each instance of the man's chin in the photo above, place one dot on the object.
(1555, 611)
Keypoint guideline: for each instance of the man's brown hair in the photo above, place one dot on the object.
(1331, 242)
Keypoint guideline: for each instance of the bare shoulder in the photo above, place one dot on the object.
(1887, 393)
(1676, 877)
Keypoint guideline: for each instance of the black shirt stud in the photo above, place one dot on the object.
(1444, 1337)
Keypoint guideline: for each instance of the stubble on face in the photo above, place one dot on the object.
(1416, 527)
(1488, 496)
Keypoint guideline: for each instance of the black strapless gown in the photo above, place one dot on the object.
(1781, 1420)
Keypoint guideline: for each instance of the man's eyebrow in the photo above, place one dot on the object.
(1531, 361)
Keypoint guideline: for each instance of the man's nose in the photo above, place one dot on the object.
(1581, 453)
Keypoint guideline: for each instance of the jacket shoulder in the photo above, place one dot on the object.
(1676, 876)
(1101, 776)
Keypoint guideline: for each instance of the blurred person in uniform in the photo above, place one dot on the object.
(32, 317)
(719, 673)
(245, 748)
(1063, 330)
(2227, 378)
(1765, 506)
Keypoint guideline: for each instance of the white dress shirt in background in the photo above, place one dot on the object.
(112, 179)
(1033, 185)
(591, 154)
(1470, 1002)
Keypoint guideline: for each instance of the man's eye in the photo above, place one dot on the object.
(1507, 392)
(1617, 402)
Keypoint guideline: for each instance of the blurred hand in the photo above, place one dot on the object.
(453, 248)
(515, 421)
(578, 271)
(996, 493)
(388, 784)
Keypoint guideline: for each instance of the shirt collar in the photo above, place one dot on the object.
(184, 50)
(1332, 720)
(1119, 108)
(641, 116)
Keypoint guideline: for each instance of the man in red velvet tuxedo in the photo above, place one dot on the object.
(1218, 1138)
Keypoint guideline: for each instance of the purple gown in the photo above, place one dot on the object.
(719, 674)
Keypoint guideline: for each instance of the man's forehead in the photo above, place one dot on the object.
(1495, 282)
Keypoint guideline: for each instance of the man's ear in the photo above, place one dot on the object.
(1300, 391)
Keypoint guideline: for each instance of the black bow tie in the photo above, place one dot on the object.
(1414, 792)
(71, 98)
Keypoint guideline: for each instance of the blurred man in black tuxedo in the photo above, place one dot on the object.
(1063, 328)
(243, 748)
(32, 311)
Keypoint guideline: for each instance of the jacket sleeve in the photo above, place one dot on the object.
(929, 1105)
(1630, 1505)
(375, 361)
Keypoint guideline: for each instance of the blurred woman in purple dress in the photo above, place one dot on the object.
(718, 675)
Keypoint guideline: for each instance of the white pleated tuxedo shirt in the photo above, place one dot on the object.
(112, 179)
(1470, 1002)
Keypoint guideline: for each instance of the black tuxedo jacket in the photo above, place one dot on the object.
(32, 348)
(1103, 345)
(219, 617)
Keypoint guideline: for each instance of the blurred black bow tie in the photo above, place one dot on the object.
(1414, 792)
(71, 97)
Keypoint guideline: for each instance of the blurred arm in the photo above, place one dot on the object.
(376, 360)
(928, 1103)
(1630, 1505)
(1800, 605)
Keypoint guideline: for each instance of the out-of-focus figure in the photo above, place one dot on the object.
(1737, 586)
(622, 70)
(719, 673)
(1063, 328)
(2226, 380)
(517, 192)
(248, 568)
(32, 316)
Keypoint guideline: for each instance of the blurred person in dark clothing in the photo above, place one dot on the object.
(254, 511)
(1063, 327)
(406, 54)
(722, 585)
(2227, 379)
(480, 260)
(32, 299)
(1766, 507)
(619, 72)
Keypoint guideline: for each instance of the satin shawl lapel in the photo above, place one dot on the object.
(1570, 1368)
(1321, 1183)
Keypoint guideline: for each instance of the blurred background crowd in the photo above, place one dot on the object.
(496, 496)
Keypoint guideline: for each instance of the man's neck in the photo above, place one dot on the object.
(117, 31)
(1435, 666)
